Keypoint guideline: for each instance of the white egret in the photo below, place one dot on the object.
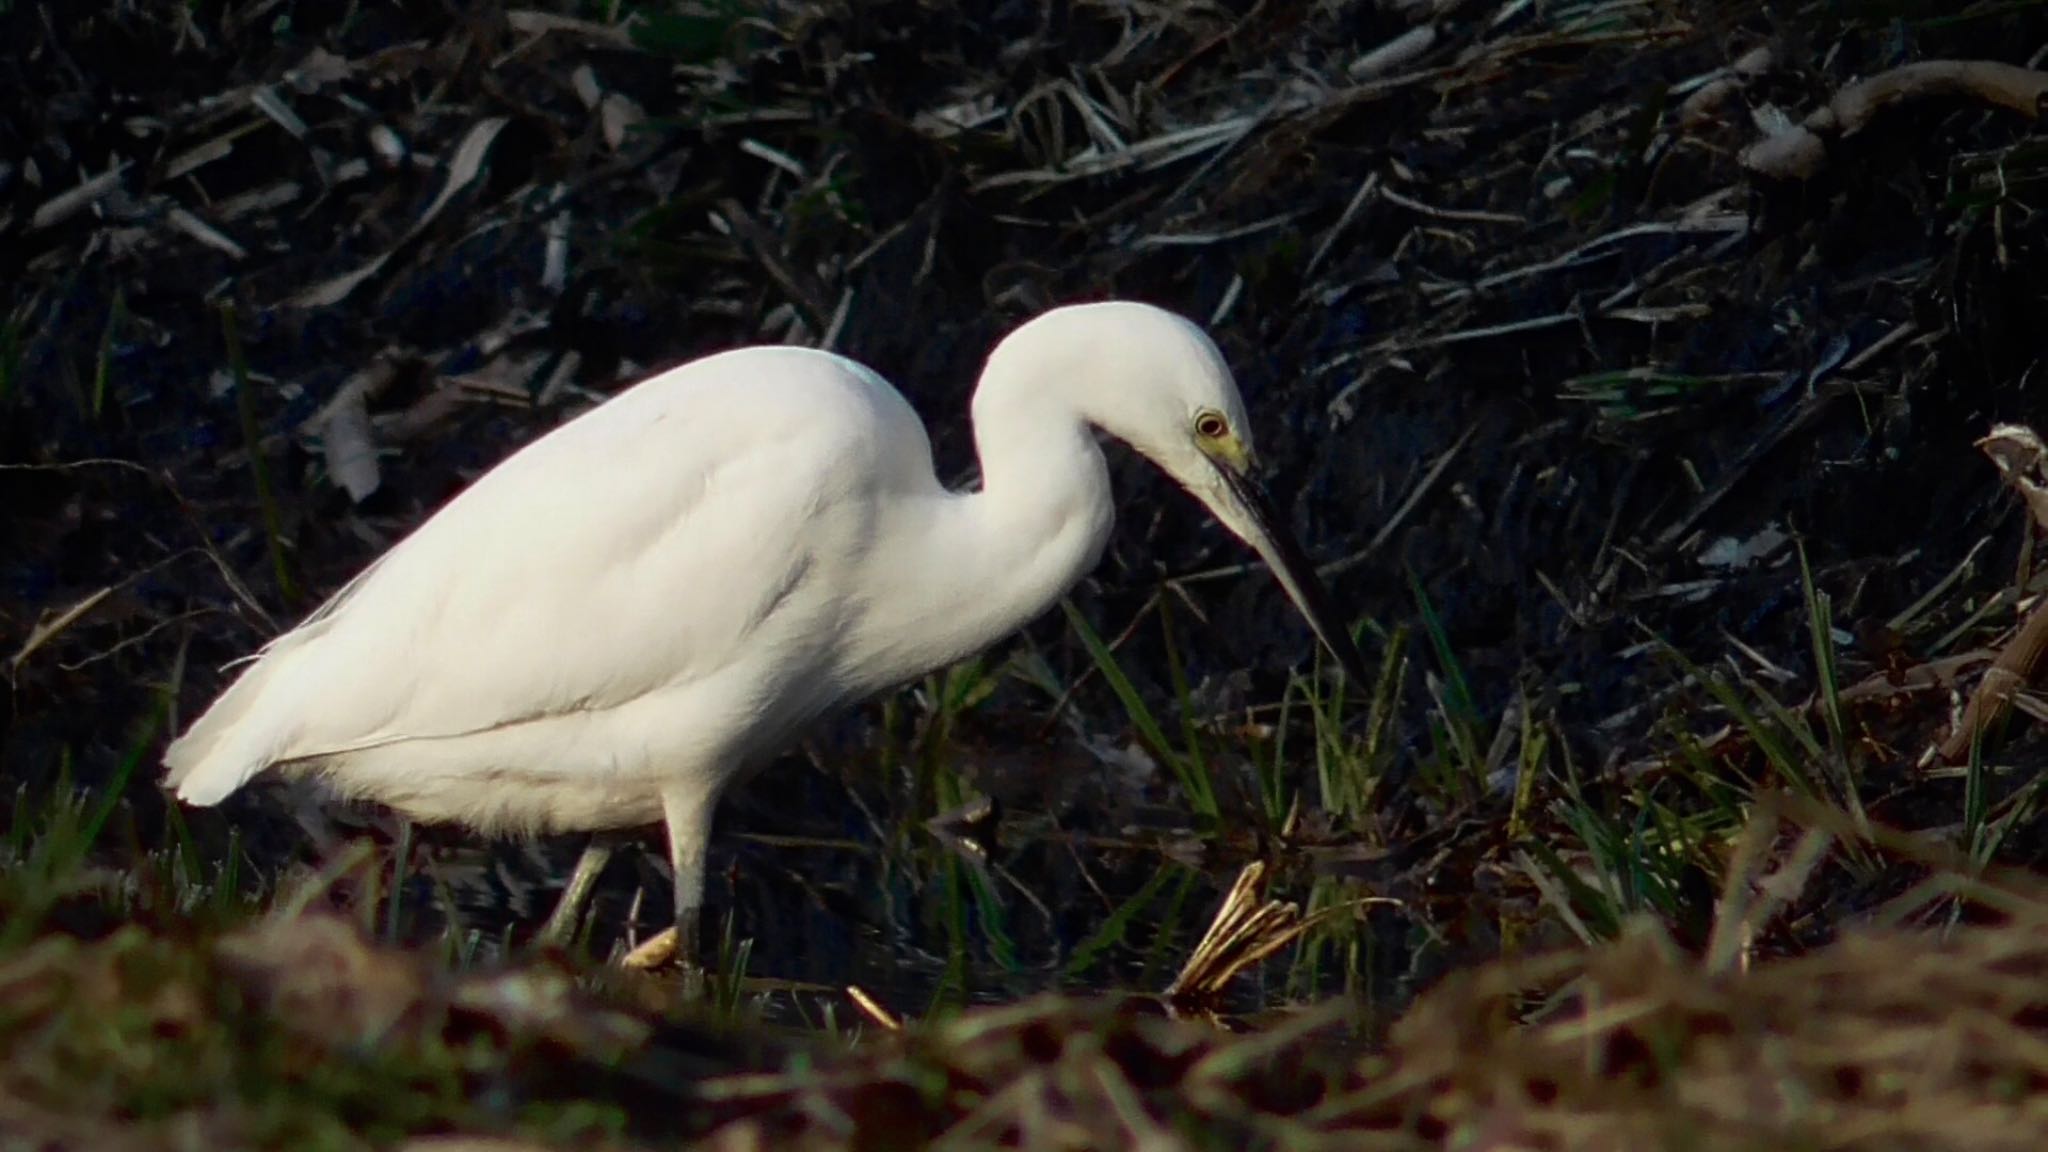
(609, 627)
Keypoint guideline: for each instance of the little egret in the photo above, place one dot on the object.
(607, 628)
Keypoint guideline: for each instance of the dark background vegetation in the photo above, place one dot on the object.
(1522, 338)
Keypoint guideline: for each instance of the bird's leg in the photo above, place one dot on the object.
(561, 924)
(687, 811)
(688, 939)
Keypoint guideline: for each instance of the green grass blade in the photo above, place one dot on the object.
(252, 439)
(1197, 764)
(103, 365)
(117, 785)
(1196, 785)
(1118, 923)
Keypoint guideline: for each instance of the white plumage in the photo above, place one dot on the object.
(609, 626)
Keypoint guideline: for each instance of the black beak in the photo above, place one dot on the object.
(1294, 571)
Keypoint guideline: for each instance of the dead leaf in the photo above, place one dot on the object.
(2022, 459)
(1397, 53)
(388, 145)
(462, 171)
(555, 264)
(330, 292)
(66, 204)
(532, 23)
(618, 115)
(588, 90)
(203, 232)
(268, 102)
(1729, 552)
(320, 67)
(348, 446)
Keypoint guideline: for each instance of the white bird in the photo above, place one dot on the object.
(617, 621)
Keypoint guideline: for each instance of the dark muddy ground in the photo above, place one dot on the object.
(1529, 347)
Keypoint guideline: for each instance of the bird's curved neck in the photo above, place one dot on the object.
(1044, 511)
(987, 563)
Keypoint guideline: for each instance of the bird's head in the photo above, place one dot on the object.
(1156, 381)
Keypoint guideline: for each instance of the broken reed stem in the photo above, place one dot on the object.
(2012, 669)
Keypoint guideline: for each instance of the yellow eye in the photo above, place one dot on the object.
(1211, 426)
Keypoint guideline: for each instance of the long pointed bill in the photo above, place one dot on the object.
(1266, 534)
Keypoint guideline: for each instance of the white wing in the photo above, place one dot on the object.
(639, 547)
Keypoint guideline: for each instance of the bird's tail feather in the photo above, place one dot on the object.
(229, 744)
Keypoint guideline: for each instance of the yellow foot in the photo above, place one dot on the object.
(659, 952)
(654, 952)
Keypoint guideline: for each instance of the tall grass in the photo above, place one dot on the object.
(1186, 764)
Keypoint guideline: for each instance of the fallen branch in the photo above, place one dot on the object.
(1799, 152)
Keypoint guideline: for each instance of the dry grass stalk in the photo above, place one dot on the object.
(2019, 456)
(1247, 929)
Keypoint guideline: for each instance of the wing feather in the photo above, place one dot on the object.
(639, 547)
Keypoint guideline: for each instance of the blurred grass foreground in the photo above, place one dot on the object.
(295, 1029)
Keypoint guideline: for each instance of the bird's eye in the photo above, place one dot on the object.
(1211, 426)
